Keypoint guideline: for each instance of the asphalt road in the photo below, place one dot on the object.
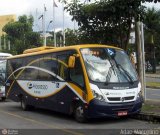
(40, 122)
(153, 94)
(151, 79)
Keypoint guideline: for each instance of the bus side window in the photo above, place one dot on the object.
(76, 74)
(62, 69)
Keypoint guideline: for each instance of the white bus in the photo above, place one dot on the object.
(3, 57)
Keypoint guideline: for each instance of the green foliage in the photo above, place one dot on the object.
(71, 37)
(152, 32)
(152, 20)
(21, 35)
(107, 21)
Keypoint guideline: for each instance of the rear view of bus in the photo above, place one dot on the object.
(3, 57)
(113, 81)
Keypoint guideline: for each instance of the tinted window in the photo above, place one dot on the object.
(76, 74)
(62, 66)
(49, 63)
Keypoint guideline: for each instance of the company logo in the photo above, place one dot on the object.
(122, 99)
(29, 85)
(36, 86)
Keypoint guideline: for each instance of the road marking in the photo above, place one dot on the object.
(41, 123)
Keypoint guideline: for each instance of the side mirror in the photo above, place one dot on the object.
(71, 61)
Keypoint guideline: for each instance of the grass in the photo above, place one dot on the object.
(153, 84)
(151, 108)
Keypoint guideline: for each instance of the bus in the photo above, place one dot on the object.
(3, 57)
(88, 81)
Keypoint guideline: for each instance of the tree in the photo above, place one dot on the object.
(152, 23)
(152, 30)
(107, 21)
(21, 35)
(71, 37)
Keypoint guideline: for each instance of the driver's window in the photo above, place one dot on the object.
(76, 74)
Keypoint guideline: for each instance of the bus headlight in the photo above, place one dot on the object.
(98, 96)
(139, 94)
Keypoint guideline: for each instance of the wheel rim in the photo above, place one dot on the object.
(79, 112)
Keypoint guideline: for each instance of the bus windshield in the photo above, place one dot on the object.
(2, 69)
(108, 65)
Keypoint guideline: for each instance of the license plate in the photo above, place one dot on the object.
(122, 113)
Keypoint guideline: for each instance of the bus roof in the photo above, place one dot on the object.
(47, 49)
(38, 49)
(5, 54)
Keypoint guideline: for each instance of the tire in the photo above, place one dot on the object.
(24, 105)
(3, 98)
(79, 114)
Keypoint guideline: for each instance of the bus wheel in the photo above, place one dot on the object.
(79, 114)
(3, 98)
(24, 105)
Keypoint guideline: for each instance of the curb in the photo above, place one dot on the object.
(153, 87)
(153, 76)
(148, 117)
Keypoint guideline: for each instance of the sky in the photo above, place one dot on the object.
(21, 7)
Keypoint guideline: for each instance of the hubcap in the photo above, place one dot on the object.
(80, 111)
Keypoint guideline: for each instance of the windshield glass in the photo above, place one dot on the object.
(108, 65)
(3, 68)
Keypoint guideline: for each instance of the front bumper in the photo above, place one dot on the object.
(2, 94)
(98, 108)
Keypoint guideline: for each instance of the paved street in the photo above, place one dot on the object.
(12, 117)
(153, 94)
(151, 79)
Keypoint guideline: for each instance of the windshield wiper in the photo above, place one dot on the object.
(108, 77)
(126, 73)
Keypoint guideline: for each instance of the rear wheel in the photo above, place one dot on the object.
(3, 98)
(79, 114)
(24, 105)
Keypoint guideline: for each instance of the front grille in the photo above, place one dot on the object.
(129, 98)
(120, 98)
(122, 108)
(114, 98)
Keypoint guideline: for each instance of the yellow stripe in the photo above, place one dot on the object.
(10, 88)
(67, 48)
(36, 60)
(79, 91)
(47, 58)
(87, 82)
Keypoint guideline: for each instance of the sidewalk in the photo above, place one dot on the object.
(151, 108)
(150, 111)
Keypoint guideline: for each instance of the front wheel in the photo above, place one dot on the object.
(79, 114)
